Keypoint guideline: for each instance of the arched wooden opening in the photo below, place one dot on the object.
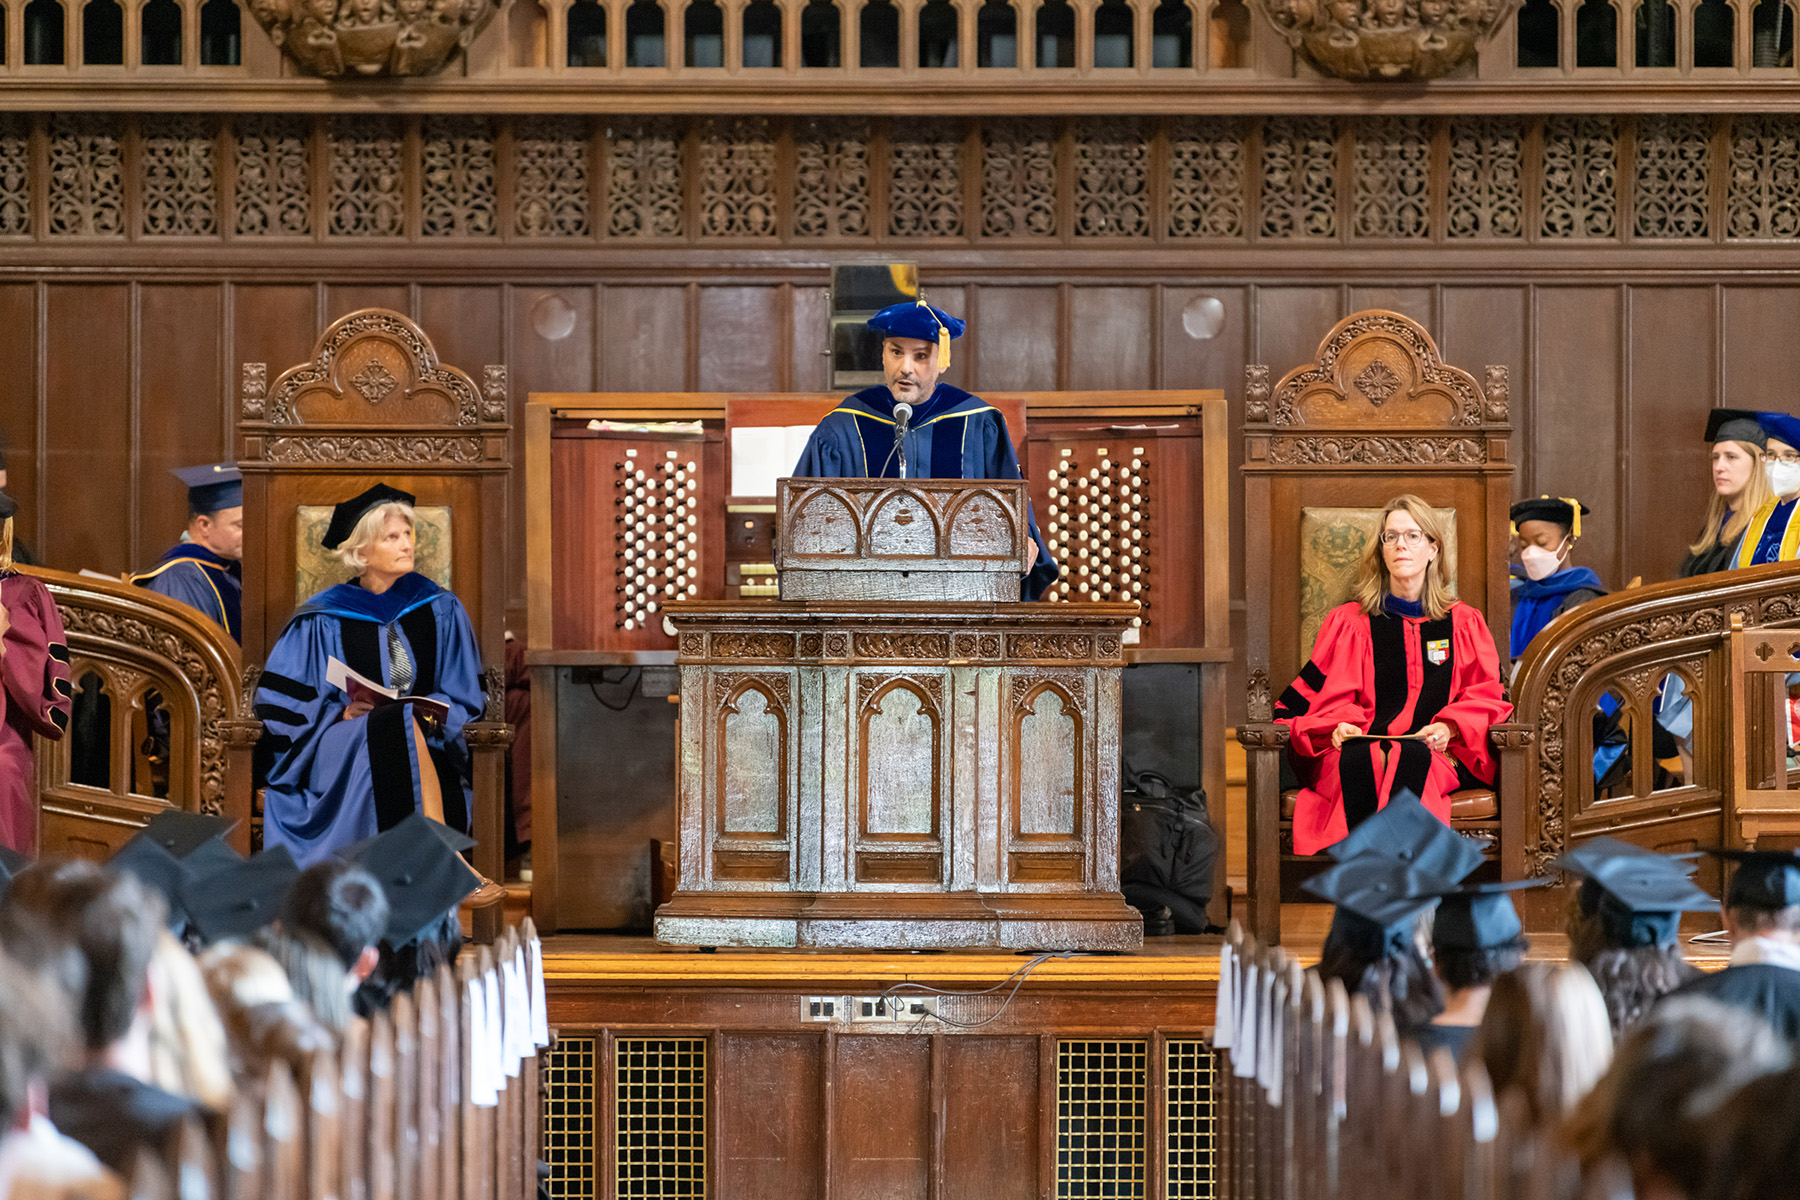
(821, 35)
(1596, 34)
(1539, 35)
(762, 34)
(703, 34)
(1653, 37)
(1771, 34)
(221, 34)
(644, 39)
(878, 34)
(997, 35)
(159, 40)
(938, 33)
(102, 34)
(44, 35)
(1715, 34)
(1055, 32)
(1172, 35)
(586, 29)
(1115, 34)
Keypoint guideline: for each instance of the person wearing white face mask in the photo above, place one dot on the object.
(1773, 534)
(1545, 584)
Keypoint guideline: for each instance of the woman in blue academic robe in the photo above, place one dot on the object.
(343, 770)
(950, 434)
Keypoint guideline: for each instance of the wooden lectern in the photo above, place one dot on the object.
(879, 766)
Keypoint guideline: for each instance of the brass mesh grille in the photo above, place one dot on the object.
(569, 1109)
(1190, 1121)
(661, 1116)
(1101, 1134)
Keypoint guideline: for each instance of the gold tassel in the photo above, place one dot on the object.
(1575, 509)
(943, 346)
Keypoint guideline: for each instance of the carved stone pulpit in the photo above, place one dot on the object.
(887, 771)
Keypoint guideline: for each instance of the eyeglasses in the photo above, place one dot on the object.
(1790, 459)
(1412, 537)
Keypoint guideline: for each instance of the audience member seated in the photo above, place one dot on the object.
(1475, 938)
(342, 906)
(1658, 1108)
(1740, 488)
(1390, 871)
(344, 768)
(1402, 686)
(1756, 1142)
(113, 922)
(1624, 923)
(34, 688)
(420, 869)
(205, 569)
(1773, 535)
(188, 1052)
(263, 1021)
(1545, 1035)
(1546, 585)
(1762, 918)
(36, 1161)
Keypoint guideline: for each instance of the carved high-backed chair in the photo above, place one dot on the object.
(1376, 414)
(373, 403)
(148, 665)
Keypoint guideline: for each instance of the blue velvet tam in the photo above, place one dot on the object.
(915, 320)
(1406, 830)
(1780, 426)
(212, 487)
(345, 516)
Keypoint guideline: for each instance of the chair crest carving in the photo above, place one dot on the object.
(375, 359)
(1377, 369)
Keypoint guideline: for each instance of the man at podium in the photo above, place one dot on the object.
(914, 427)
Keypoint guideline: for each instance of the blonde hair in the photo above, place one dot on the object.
(6, 544)
(1716, 530)
(368, 531)
(1373, 583)
(188, 1053)
(1546, 1034)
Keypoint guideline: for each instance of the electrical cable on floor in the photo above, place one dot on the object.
(1017, 979)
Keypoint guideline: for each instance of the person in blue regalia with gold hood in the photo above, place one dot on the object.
(342, 770)
(914, 427)
(205, 570)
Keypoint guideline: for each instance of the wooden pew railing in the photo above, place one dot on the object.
(1320, 1098)
(435, 1099)
(1631, 644)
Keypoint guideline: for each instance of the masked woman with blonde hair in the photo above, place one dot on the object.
(1402, 686)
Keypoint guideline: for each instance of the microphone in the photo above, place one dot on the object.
(902, 416)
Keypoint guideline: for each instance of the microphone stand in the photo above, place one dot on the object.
(902, 422)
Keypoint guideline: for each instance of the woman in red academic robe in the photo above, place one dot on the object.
(1403, 658)
(34, 698)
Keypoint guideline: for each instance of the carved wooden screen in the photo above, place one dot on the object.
(162, 690)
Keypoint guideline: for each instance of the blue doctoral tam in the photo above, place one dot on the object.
(1780, 426)
(212, 487)
(915, 320)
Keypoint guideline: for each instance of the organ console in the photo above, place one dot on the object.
(631, 505)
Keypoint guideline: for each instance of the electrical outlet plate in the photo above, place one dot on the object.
(821, 1008)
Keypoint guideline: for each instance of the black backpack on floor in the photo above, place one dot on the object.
(1168, 850)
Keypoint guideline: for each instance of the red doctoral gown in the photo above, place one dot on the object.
(1389, 674)
(35, 670)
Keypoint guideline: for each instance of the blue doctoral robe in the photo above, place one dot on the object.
(1537, 602)
(334, 782)
(953, 435)
(201, 580)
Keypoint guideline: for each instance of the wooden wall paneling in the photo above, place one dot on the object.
(989, 1118)
(1671, 389)
(770, 1116)
(1761, 357)
(963, 364)
(88, 424)
(1570, 429)
(1110, 338)
(180, 399)
(742, 343)
(1019, 350)
(1289, 321)
(1419, 303)
(644, 340)
(580, 478)
(1483, 326)
(342, 299)
(809, 307)
(881, 1108)
(466, 324)
(19, 415)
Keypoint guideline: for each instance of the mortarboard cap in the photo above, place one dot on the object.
(147, 858)
(1637, 894)
(456, 840)
(212, 487)
(345, 516)
(1735, 425)
(1780, 426)
(1764, 879)
(181, 832)
(240, 899)
(1405, 829)
(1379, 890)
(1479, 916)
(1558, 510)
(422, 873)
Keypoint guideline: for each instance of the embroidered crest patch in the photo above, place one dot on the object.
(1438, 652)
